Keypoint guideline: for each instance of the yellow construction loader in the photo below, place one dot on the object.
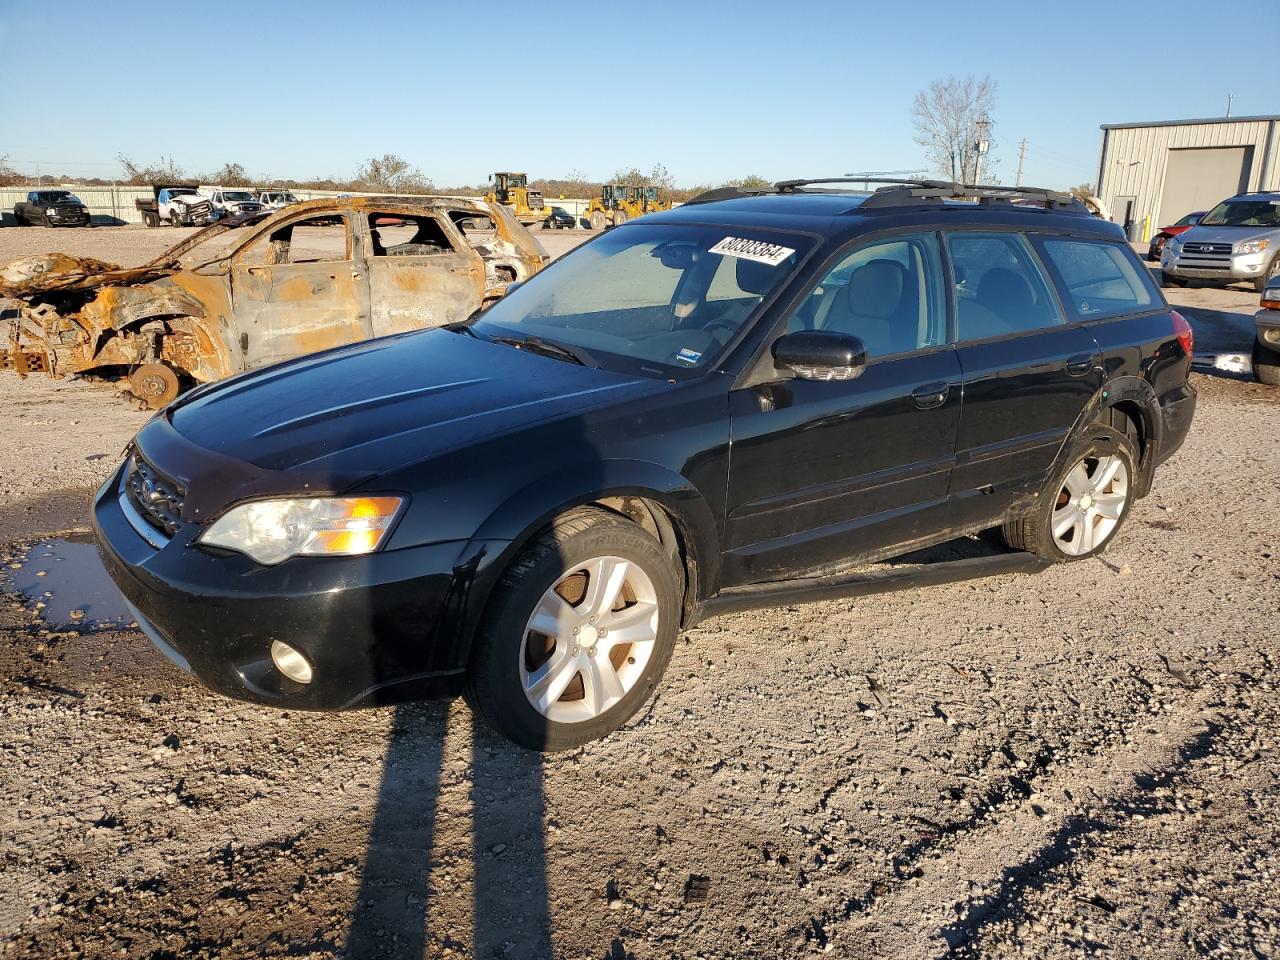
(512, 191)
(619, 203)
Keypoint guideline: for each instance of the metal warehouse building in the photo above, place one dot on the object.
(1152, 174)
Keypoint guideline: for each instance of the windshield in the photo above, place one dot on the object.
(655, 299)
(1190, 220)
(55, 196)
(182, 192)
(1243, 213)
(236, 195)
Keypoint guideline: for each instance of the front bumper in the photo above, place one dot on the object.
(1267, 328)
(376, 629)
(1177, 409)
(61, 219)
(1214, 267)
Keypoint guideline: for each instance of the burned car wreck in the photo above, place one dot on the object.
(317, 275)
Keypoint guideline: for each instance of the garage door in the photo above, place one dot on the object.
(1198, 179)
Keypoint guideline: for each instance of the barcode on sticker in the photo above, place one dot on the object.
(770, 253)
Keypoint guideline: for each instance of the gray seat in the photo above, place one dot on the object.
(879, 306)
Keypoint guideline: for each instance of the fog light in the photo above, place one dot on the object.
(290, 662)
(1271, 335)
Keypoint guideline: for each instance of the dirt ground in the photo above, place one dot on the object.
(1079, 762)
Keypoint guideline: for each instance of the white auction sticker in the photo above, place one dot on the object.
(758, 250)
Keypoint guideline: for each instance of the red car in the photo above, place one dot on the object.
(1161, 238)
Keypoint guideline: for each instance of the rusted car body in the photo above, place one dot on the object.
(316, 275)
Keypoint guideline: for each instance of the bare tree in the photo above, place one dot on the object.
(231, 175)
(166, 171)
(8, 175)
(393, 174)
(949, 117)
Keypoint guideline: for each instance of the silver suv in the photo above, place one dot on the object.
(1237, 240)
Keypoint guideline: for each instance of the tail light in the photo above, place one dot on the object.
(1186, 336)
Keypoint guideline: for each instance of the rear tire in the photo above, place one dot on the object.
(597, 220)
(590, 683)
(1086, 502)
(1266, 365)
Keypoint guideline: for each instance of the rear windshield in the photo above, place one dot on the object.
(654, 299)
(1243, 213)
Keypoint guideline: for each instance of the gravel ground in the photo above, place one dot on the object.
(1081, 762)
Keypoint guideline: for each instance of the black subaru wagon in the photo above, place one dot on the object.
(698, 410)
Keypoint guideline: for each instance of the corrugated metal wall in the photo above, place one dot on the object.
(1134, 158)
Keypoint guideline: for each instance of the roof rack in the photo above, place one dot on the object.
(896, 192)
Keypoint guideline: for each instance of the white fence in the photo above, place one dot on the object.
(114, 205)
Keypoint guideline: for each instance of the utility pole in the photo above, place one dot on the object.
(1022, 155)
(1229, 99)
(981, 146)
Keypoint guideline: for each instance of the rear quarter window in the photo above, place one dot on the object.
(1098, 279)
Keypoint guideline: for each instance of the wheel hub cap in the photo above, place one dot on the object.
(589, 639)
(1090, 504)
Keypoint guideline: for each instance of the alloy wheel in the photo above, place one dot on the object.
(589, 639)
(1090, 504)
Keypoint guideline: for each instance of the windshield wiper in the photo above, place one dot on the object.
(559, 351)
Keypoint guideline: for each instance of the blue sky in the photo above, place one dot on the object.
(710, 90)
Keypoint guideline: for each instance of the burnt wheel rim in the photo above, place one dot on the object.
(155, 384)
(589, 639)
(1090, 504)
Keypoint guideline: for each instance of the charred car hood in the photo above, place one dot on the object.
(365, 409)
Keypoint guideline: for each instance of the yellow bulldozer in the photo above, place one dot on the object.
(512, 191)
(619, 203)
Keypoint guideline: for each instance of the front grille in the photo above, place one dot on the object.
(1216, 249)
(158, 499)
(535, 199)
(195, 210)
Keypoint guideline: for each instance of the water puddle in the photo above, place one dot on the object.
(65, 582)
(1226, 362)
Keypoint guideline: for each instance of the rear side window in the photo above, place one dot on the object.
(999, 287)
(1098, 279)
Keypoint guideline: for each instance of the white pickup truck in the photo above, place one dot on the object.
(230, 202)
(180, 206)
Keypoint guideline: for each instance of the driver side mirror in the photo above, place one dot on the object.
(820, 355)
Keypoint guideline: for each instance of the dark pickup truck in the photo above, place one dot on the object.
(52, 208)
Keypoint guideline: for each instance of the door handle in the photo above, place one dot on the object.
(1081, 364)
(931, 395)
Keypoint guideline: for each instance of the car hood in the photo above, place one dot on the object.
(368, 408)
(1203, 234)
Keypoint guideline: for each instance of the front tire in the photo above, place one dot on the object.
(1169, 280)
(1266, 365)
(578, 633)
(1086, 502)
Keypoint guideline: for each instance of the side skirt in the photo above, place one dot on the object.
(811, 589)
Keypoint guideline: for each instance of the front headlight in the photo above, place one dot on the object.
(1174, 245)
(272, 531)
(1253, 246)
